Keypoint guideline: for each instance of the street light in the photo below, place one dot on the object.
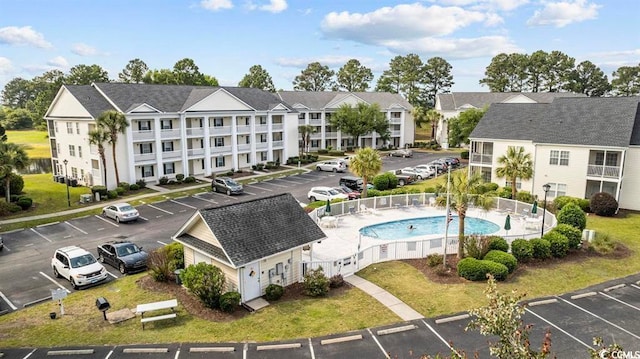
(66, 181)
(546, 187)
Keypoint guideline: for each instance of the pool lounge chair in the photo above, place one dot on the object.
(365, 209)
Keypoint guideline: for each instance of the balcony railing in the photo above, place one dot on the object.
(331, 135)
(480, 158)
(195, 131)
(243, 129)
(603, 171)
(278, 144)
(219, 130)
(244, 147)
(220, 149)
(262, 128)
(315, 136)
(171, 154)
(315, 121)
(277, 126)
(261, 145)
(395, 120)
(169, 133)
(143, 135)
(195, 152)
(139, 157)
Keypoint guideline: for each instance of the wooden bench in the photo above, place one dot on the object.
(148, 307)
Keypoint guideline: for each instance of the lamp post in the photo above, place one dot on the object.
(66, 181)
(546, 188)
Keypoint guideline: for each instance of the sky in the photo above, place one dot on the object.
(226, 37)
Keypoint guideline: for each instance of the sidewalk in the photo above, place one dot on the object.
(397, 306)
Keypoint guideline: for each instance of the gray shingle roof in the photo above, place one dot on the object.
(90, 98)
(206, 247)
(453, 101)
(319, 100)
(594, 121)
(259, 228)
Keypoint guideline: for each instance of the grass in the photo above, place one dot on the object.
(36, 142)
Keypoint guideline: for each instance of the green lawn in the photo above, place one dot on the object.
(36, 142)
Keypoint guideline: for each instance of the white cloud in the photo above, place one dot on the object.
(215, 5)
(58, 62)
(331, 61)
(500, 5)
(306, 11)
(488, 46)
(274, 6)
(563, 13)
(84, 50)
(13, 35)
(5, 65)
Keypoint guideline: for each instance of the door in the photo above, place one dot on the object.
(251, 281)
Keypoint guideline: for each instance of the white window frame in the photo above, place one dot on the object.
(218, 141)
(557, 190)
(559, 158)
(142, 127)
(70, 128)
(169, 168)
(147, 171)
(163, 125)
(218, 122)
(77, 128)
(146, 148)
(220, 161)
(80, 151)
(72, 150)
(167, 146)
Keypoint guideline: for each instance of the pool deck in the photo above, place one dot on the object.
(343, 233)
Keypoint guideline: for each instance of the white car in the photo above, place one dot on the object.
(425, 171)
(325, 193)
(121, 212)
(78, 266)
(332, 166)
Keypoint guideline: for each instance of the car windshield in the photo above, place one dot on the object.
(126, 208)
(333, 192)
(231, 182)
(127, 249)
(82, 261)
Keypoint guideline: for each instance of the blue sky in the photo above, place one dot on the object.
(226, 37)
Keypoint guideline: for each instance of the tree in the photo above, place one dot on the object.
(86, 75)
(558, 71)
(536, 67)
(314, 78)
(423, 117)
(186, 72)
(98, 138)
(113, 123)
(17, 119)
(259, 78)
(354, 77)
(366, 163)
(515, 164)
(162, 77)
(134, 71)
(437, 79)
(404, 76)
(17, 93)
(626, 81)
(391, 79)
(506, 73)
(460, 127)
(588, 79)
(12, 157)
(360, 120)
(45, 88)
(210, 80)
(305, 135)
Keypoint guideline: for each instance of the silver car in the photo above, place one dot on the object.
(121, 212)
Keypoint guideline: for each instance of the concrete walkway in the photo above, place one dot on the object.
(387, 299)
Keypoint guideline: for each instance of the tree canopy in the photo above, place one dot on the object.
(86, 75)
(134, 71)
(360, 120)
(354, 77)
(315, 77)
(460, 127)
(259, 78)
(516, 163)
(366, 164)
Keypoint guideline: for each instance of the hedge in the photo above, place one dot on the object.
(522, 249)
(476, 270)
(572, 233)
(558, 244)
(502, 257)
(572, 214)
(541, 248)
(498, 243)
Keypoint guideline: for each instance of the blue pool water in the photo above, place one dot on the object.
(427, 226)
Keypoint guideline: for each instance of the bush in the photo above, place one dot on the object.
(274, 292)
(230, 301)
(585, 205)
(8, 208)
(475, 270)
(336, 281)
(134, 187)
(24, 203)
(16, 185)
(179, 177)
(175, 252)
(316, 284)
(504, 192)
(112, 194)
(120, 191)
(572, 233)
(434, 260)
(126, 186)
(163, 180)
(206, 281)
(572, 214)
(476, 246)
(99, 189)
(497, 243)
(464, 155)
(558, 244)
(602, 244)
(603, 204)
(522, 249)
(322, 151)
(541, 248)
(158, 264)
(190, 179)
(561, 201)
(385, 181)
(141, 183)
(502, 257)
(524, 196)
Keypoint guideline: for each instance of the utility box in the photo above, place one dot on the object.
(85, 198)
(102, 304)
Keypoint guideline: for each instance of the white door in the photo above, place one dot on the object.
(251, 281)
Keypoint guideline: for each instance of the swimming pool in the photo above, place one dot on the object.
(427, 226)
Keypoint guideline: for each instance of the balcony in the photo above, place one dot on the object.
(480, 158)
(278, 144)
(141, 157)
(330, 135)
(195, 152)
(143, 135)
(195, 131)
(219, 130)
(315, 136)
(244, 147)
(395, 120)
(243, 129)
(315, 121)
(262, 128)
(171, 154)
(170, 133)
(603, 171)
(278, 126)
(220, 149)
(262, 146)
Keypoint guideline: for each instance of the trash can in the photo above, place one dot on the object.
(178, 273)
(73, 182)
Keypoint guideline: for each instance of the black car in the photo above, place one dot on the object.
(451, 161)
(354, 183)
(125, 256)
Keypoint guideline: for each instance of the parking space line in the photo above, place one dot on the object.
(143, 218)
(251, 193)
(8, 301)
(204, 199)
(184, 204)
(386, 355)
(273, 184)
(106, 221)
(313, 354)
(260, 188)
(289, 181)
(76, 228)
(601, 318)
(635, 286)
(55, 282)
(557, 327)
(159, 209)
(164, 244)
(620, 301)
(440, 337)
(41, 235)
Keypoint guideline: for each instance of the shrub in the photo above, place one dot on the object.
(504, 192)
(120, 191)
(497, 243)
(464, 155)
(112, 194)
(16, 185)
(322, 151)
(524, 196)
(504, 258)
(585, 205)
(274, 292)
(179, 177)
(24, 203)
(603, 204)
(158, 264)
(316, 284)
(163, 180)
(474, 269)
(141, 183)
(522, 249)
(175, 252)
(476, 246)
(336, 281)
(8, 208)
(206, 281)
(99, 189)
(385, 181)
(541, 248)
(230, 301)
(602, 244)
(561, 201)
(124, 185)
(572, 233)
(434, 260)
(190, 179)
(572, 214)
(134, 187)
(558, 244)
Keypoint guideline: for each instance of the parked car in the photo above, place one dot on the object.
(121, 212)
(427, 169)
(451, 161)
(347, 160)
(226, 185)
(412, 172)
(403, 152)
(423, 173)
(325, 193)
(404, 179)
(352, 182)
(124, 255)
(78, 266)
(440, 166)
(351, 194)
(332, 166)
(1, 244)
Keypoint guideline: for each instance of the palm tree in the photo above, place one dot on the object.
(98, 137)
(423, 116)
(305, 133)
(12, 157)
(515, 164)
(113, 123)
(366, 163)
(463, 191)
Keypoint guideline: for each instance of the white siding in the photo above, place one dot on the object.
(500, 149)
(630, 191)
(574, 175)
(290, 271)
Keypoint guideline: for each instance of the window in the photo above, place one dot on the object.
(82, 173)
(508, 184)
(218, 122)
(557, 190)
(147, 171)
(559, 158)
(70, 128)
(72, 150)
(301, 116)
(612, 159)
(74, 172)
(263, 156)
(263, 120)
(146, 148)
(219, 141)
(80, 151)
(169, 168)
(166, 124)
(219, 161)
(95, 164)
(396, 114)
(315, 115)
(315, 143)
(248, 157)
(167, 146)
(77, 128)
(263, 137)
(144, 125)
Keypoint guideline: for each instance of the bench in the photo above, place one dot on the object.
(148, 307)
